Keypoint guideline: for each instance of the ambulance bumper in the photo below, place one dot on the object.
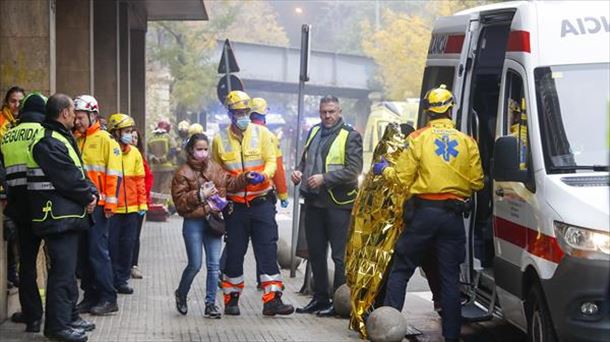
(578, 299)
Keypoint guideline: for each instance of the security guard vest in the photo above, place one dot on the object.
(45, 203)
(15, 146)
(335, 160)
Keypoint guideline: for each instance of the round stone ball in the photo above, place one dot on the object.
(283, 254)
(342, 301)
(386, 324)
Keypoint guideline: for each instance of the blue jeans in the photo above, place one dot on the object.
(196, 233)
(123, 234)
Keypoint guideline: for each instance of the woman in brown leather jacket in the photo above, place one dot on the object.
(191, 196)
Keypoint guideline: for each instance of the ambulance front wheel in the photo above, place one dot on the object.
(539, 323)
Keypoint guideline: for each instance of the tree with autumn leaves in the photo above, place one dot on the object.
(400, 45)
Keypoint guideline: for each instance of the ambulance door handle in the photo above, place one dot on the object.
(500, 192)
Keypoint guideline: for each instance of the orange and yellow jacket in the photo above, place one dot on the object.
(253, 152)
(7, 120)
(132, 189)
(279, 178)
(102, 161)
(440, 163)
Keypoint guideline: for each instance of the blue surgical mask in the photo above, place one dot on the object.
(126, 138)
(242, 123)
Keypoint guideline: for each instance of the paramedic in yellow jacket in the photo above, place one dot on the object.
(518, 129)
(441, 168)
(162, 160)
(10, 109)
(102, 163)
(258, 116)
(243, 148)
(132, 202)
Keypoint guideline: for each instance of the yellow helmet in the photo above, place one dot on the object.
(119, 121)
(195, 129)
(258, 105)
(183, 125)
(237, 100)
(438, 100)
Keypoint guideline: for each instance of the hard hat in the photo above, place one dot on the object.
(183, 125)
(258, 105)
(86, 103)
(237, 100)
(164, 124)
(438, 100)
(33, 102)
(119, 121)
(195, 129)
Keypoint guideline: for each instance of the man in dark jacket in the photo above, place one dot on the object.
(61, 199)
(329, 169)
(14, 157)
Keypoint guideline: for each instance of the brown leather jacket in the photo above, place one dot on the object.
(189, 178)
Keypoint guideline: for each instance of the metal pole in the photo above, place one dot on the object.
(227, 71)
(304, 77)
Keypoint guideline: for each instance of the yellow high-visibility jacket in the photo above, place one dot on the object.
(102, 161)
(439, 163)
(132, 190)
(254, 152)
(279, 178)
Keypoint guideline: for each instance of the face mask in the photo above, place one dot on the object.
(126, 139)
(200, 155)
(242, 123)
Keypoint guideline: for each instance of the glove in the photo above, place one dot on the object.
(380, 166)
(284, 203)
(255, 178)
(142, 212)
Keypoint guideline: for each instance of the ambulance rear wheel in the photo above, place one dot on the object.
(539, 323)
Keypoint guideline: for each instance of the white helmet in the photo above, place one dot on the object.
(86, 103)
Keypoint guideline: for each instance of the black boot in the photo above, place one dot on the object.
(232, 306)
(82, 324)
(277, 307)
(104, 308)
(181, 303)
(69, 335)
(85, 305)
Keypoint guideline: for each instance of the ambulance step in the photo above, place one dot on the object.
(473, 313)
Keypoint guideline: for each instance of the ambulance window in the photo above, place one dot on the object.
(515, 115)
(434, 76)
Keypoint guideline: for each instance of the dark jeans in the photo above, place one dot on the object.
(196, 234)
(123, 229)
(136, 247)
(324, 226)
(29, 296)
(256, 222)
(430, 225)
(94, 259)
(62, 290)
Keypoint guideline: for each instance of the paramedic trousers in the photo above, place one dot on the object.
(123, 234)
(256, 222)
(96, 266)
(324, 226)
(431, 226)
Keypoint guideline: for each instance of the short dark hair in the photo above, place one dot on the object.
(190, 145)
(140, 144)
(329, 99)
(56, 104)
(11, 91)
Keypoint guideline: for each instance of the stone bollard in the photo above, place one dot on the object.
(283, 255)
(386, 324)
(342, 301)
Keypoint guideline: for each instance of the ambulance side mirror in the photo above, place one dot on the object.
(505, 167)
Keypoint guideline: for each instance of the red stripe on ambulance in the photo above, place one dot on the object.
(533, 242)
(519, 41)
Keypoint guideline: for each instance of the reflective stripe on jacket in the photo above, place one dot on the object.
(163, 147)
(254, 152)
(132, 189)
(102, 162)
(439, 163)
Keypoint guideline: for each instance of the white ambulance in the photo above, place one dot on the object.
(531, 83)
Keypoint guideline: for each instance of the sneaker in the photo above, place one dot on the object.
(232, 306)
(136, 273)
(181, 303)
(211, 311)
(277, 307)
(104, 308)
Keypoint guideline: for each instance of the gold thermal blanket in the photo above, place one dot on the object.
(375, 226)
